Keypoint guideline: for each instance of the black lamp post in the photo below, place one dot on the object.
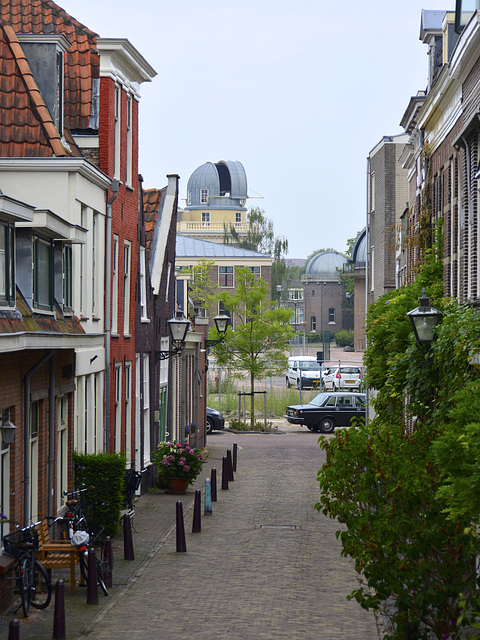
(221, 325)
(424, 320)
(7, 430)
(178, 327)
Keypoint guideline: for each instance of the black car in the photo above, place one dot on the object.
(328, 410)
(215, 420)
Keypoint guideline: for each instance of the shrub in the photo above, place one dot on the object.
(104, 473)
(344, 338)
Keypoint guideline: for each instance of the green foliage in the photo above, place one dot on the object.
(260, 339)
(344, 338)
(177, 460)
(261, 237)
(105, 474)
(203, 287)
(409, 503)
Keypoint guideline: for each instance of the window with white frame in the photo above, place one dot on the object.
(203, 196)
(62, 449)
(128, 411)
(129, 175)
(115, 285)
(34, 431)
(95, 279)
(255, 271)
(189, 196)
(67, 277)
(143, 285)
(313, 323)
(146, 409)
(238, 217)
(7, 265)
(117, 418)
(83, 223)
(206, 218)
(295, 294)
(225, 276)
(117, 133)
(127, 256)
(331, 315)
(4, 489)
(43, 275)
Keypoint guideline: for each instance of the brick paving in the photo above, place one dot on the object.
(266, 565)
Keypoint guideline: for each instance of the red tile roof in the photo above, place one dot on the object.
(152, 199)
(82, 62)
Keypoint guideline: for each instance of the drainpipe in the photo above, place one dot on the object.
(108, 308)
(26, 437)
(367, 264)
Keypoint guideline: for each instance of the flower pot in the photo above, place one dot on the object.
(177, 485)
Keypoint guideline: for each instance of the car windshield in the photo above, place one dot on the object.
(319, 400)
(309, 366)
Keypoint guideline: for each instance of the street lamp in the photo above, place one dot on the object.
(279, 292)
(221, 325)
(424, 320)
(7, 429)
(178, 327)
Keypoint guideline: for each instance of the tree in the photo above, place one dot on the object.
(203, 287)
(261, 238)
(261, 332)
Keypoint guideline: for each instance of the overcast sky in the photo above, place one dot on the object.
(299, 92)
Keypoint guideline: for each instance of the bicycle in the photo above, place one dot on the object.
(31, 576)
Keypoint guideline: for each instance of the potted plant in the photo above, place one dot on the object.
(178, 464)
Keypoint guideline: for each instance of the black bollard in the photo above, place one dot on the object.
(230, 466)
(224, 474)
(235, 455)
(181, 543)
(14, 629)
(92, 593)
(197, 520)
(59, 629)
(214, 485)
(108, 557)
(128, 552)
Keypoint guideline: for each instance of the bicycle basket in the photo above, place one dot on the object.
(132, 479)
(19, 536)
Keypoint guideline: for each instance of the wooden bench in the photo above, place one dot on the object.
(56, 554)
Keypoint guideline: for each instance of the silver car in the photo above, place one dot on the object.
(343, 378)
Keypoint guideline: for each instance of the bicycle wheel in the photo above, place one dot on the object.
(24, 577)
(41, 592)
(100, 578)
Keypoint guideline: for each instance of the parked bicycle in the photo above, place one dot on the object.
(132, 482)
(81, 538)
(33, 583)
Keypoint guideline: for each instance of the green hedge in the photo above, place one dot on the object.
(105, 474)
(344, 338)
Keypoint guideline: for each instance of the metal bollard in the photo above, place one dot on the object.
(92, 593)
(14, 629)
(214, 485)
(197, 523)
(59, 629)
(108, 557)
(235, 455)
(230, 466)
(128, 552)
(181, 543)
(208, 497)
(224, 474)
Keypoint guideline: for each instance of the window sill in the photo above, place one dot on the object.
(145, 320)
(96, 319)
(115, 335)
(127, 335)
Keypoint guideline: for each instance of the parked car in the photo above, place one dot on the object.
(215, 420)
(343, 378)
(304, 370)
(327, 411)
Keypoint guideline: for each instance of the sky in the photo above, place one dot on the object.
(299, 92)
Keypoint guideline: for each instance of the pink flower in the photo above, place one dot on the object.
(186, 468)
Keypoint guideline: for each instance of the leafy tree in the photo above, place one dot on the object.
(261, 238)
(408, 499)
(261, 332)
(203, 286)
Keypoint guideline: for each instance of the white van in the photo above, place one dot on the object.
(304, 369)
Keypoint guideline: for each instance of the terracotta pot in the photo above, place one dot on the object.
(177, 485)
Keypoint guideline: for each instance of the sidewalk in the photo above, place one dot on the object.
(266, 565)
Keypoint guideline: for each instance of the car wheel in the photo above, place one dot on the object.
(209, 428)
(327, 425)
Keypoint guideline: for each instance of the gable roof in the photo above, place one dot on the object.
(82, 62)
(188, 247)
(152, 199)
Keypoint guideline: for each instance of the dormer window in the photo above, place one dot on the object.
(43, 285)
(203, 196)
(45, 56)
(7, 265)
